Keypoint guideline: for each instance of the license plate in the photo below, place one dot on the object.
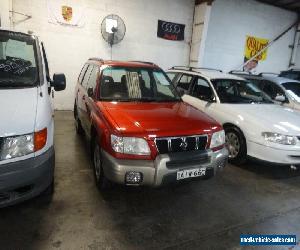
(190, 173)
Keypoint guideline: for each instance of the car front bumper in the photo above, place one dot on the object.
(278, 156)
(22, 180)
(163, 170)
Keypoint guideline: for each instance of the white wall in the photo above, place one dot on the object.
(68, 48)
(230, 22)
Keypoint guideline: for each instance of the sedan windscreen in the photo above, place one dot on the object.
(238, 91)
(136, 84)
(18, 64)
(293, 87)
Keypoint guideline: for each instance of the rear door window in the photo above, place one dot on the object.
(185, 82)
(83, 70)
(202, 89)
(93, 78)
(171, 75)
(87, 76)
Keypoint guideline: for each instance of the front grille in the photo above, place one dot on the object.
(181, 144)
(184, 163)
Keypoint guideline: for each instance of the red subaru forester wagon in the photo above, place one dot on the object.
(140, 131)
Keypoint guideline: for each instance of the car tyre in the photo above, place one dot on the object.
(102, 182)
(236, 144)
(79, 129)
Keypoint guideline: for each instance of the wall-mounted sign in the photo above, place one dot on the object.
(72, 14)
(170, 31)
(67, 13)
(252, 47)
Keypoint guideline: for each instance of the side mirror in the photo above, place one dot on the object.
(59, 82)
(90, 92)
(280, 98)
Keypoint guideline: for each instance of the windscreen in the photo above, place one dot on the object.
(294, 87)
(238, 91)
(18, 65)
(136, 84)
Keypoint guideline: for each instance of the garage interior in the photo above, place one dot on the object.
(254, 198)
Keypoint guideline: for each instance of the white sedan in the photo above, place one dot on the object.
(255, 127)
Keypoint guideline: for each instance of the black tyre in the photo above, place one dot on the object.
(79, 129)
(236, 144)
(102, 182)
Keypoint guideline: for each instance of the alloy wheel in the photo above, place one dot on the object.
(233, 144)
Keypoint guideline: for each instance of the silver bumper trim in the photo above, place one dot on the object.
(154, 172)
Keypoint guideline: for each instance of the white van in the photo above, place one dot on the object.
(26, 118)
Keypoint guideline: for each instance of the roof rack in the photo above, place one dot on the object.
(150, 63)
(96, 59)
(267, 73)
(240, 72)
(193, 68)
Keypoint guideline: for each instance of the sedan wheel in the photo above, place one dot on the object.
(233, 144)
(236, 144)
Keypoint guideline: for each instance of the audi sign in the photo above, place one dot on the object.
(170, 31)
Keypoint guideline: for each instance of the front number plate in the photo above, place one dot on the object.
(190, 173)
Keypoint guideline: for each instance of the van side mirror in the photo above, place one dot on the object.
(59, 82)
(90, 92)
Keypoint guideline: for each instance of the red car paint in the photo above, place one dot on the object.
(146, 120)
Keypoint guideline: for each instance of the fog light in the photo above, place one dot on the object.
(133, 177)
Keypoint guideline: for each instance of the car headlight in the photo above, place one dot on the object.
(279, 138)
(17, 146)
(130, 145)
(217, 139)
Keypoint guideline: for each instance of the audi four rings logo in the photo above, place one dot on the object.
(170, 31)
(170, 28)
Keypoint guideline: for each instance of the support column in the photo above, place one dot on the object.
(4, 14)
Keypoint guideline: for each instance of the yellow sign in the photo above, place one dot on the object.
(254, 45)
(67, 12)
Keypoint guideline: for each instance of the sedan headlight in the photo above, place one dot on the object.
(130, 145)
(16, 146)
(217, 139)
(279, 138)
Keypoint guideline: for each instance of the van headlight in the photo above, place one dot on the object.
(16, 146)
(279, 138)
(129, 145)
(217, 139)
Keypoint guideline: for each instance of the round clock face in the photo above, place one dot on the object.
(113, 29)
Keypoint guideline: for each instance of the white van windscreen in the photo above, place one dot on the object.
(18, 66)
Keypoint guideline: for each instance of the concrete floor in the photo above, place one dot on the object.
(197, 215)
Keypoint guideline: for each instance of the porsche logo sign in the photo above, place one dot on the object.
(67, 13)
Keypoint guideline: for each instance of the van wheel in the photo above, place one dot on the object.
(79, 129)
(236, 144)
(102, 182)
